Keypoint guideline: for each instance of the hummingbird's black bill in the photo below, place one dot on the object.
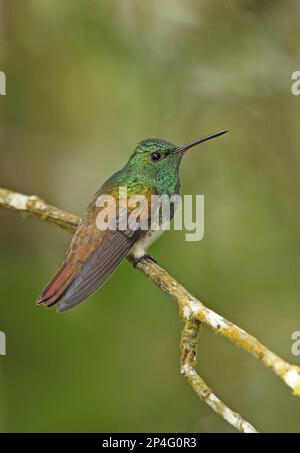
(189, 145)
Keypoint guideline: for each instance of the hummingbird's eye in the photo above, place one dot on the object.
(155, 156)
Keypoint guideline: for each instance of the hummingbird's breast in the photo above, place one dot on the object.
(162, 182)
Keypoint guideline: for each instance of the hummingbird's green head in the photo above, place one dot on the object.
(157, 161)
(152, 151)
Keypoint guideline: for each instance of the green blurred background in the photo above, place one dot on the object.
(85, 82)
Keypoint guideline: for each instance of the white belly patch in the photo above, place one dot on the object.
(141, 246)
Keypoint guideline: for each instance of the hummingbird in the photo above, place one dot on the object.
(93, 255)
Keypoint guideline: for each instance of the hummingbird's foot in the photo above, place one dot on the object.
(136, 261)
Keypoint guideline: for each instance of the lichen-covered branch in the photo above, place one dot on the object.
(32, 205)
(190, 308)
(189, 341)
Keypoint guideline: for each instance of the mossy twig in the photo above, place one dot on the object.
(188, 346)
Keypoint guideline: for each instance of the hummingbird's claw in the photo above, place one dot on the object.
(136, 261)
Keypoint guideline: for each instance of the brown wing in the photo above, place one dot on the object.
(114, 247)
(92, 257)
